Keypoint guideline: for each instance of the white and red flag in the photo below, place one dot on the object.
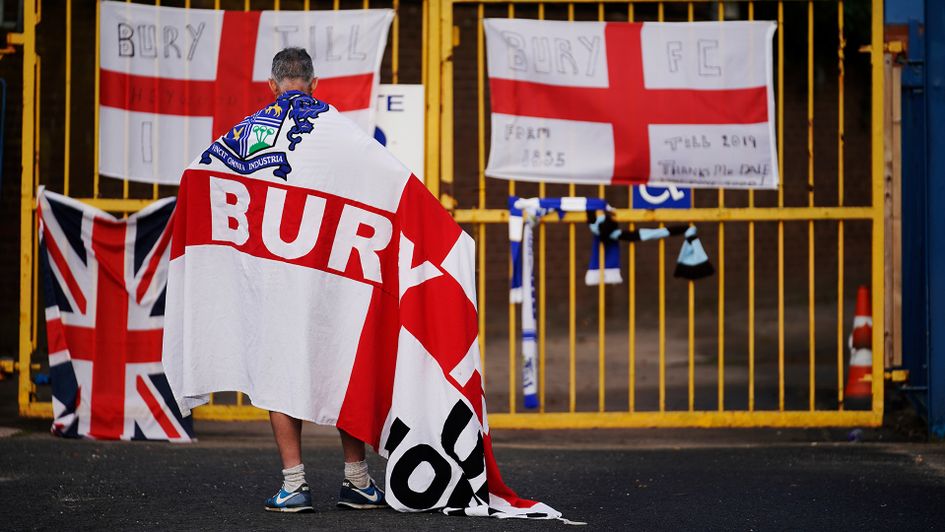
(321, 278)
(105, 281)
(174, 79)
(624, 103)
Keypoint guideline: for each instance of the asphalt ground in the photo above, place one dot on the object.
(759, 479)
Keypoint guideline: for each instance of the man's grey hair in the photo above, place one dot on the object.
(293, 63)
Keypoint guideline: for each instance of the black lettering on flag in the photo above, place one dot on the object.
(456, 421)
(147, 40)
(170, 41)
(126, 47)
(398, 431)
(195, 34)
(407, 464)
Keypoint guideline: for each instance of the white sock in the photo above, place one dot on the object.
(357, 473)
(293, 478)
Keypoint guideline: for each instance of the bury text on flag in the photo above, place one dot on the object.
(632, 103)
(174, 79)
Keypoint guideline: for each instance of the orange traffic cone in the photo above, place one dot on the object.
(859, 378)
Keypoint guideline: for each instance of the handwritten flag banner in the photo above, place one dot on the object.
(632, 103)
(174, 79)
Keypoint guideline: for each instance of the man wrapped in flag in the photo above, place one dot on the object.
(320, 278)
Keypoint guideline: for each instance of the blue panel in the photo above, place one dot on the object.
(901, 11)
(915, 312)
(935, 139)
(645, 197)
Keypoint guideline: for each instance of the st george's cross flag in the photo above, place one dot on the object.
(174, 79)
(322, 279)
(105, 282)
(626, 103)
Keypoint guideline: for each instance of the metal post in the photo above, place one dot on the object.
(915, 345)
(28, 163)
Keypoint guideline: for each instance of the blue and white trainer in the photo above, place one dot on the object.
(361, 498)
(299, 500)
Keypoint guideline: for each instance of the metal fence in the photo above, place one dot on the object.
(577, 383)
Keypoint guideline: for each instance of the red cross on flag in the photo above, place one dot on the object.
(624, 103)
(173, 79)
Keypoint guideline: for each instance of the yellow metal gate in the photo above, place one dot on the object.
(458, 51)
(679, 363)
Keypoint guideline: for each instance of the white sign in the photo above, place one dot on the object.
(400, 123)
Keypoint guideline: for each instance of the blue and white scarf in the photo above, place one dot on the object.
(525, 213)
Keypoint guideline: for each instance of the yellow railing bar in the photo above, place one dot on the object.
(446, 100)
(661, 284)
(588, 1)
(810, 201)
(154, 187)
(542, 304)
(395, 43)
(601, 361)
(781, 205)
(751, 282)
(34, 328)
(425, 61)
(662, 323)
(841, 43)
(587, 420)
(34, 293)
(721, 310)
(542, 294)
(681, 419)
(124, 182)
(117, 204)
(601, 302)
(691, 377)
(632, 296)
(481, 228)
(632, 273)
(879, 237)
(512, 333)
(721, 319)
(710, 214)
(96, 139)
(67, 148)
(431, 80)
(27, 162)
(572, 295)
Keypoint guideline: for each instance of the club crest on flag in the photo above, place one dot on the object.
(260, 131)
(256, 132)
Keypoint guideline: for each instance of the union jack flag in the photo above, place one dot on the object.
(105, 282)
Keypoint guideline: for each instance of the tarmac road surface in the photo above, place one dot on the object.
(760, 479)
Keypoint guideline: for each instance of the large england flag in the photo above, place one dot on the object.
(323, 280)
(105, 281)
(174, 79)
(624, 103)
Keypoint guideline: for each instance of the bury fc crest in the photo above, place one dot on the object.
(246, 148)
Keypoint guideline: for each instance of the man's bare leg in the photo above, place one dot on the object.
(288, 433)
(295, 495)
(358, 491)
(352, 447)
